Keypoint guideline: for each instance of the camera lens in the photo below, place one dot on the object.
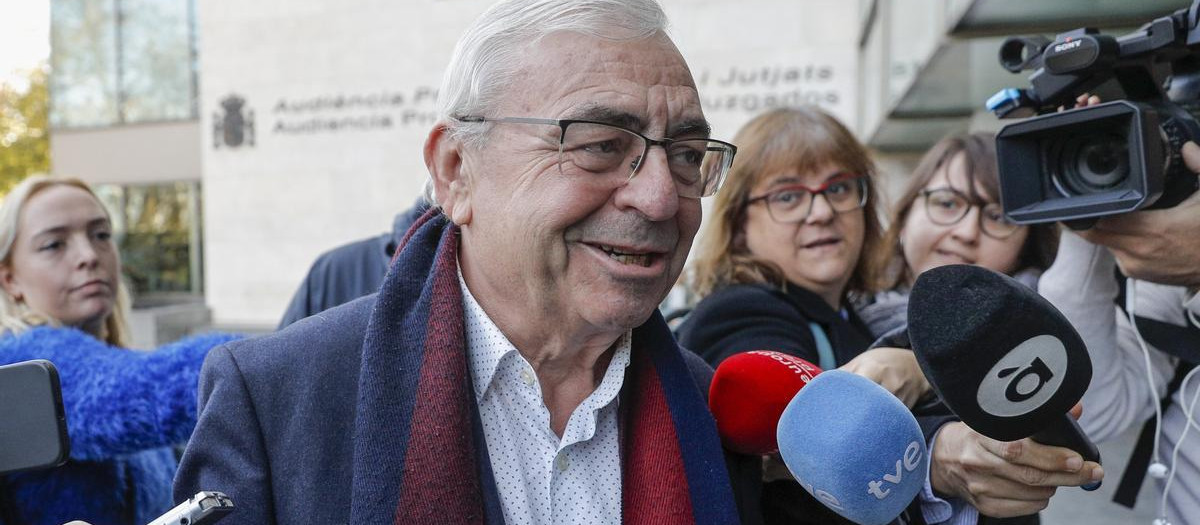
(1093, 163)
(1104, 162)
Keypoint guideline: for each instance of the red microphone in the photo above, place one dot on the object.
(748, 394)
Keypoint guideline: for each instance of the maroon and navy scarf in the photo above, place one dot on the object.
(419, 456)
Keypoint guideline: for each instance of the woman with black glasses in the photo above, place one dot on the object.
(950, 214)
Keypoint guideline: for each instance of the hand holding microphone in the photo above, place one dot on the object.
(1003, 478)
(750, 390)
(895, 369)
(849, 442)
(1010, 366)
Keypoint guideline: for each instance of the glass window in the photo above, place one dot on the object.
(83, 59)
(122, 61)
(157, 228)
(156, 60)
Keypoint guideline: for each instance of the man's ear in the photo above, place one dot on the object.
(451, 183)
(8, 281)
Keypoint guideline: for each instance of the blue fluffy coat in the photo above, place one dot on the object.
(125, 409)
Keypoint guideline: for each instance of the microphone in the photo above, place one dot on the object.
(854, 446)
(1000, 356)
(33, 421)
(205, 508)
(749, 392)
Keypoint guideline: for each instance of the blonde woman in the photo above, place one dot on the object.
(63, 300)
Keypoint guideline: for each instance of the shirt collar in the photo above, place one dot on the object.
(487, 346)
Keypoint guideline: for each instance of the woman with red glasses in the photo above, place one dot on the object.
(786, 233)
(783, 248)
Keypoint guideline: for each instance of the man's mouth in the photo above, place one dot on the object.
(639, 259)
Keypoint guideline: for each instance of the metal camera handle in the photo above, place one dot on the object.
(1080, 60)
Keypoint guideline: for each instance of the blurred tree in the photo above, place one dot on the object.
(24, 135)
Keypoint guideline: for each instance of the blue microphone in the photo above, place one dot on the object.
(854, 446)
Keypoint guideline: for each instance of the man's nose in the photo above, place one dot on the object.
(651, 191)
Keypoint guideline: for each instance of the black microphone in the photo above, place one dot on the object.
(1000, 356)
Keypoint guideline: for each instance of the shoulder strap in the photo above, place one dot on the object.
(824, 349)
(1139, 459)
(1180, 341)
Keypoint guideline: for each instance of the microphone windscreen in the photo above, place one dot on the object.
(749, 392)
(854, 446)
(999, 355)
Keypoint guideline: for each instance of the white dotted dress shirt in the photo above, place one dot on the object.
(542, 479)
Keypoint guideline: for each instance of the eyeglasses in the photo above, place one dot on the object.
(606, 152)
(947, 206)
(794, 203)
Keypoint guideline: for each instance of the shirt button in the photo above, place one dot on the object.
(527, 376)
(561, 462)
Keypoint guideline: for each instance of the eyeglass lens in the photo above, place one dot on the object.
(794, 204)
(697, 165)
(947, 207)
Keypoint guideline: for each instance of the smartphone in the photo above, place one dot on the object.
(205, 508)
(33, 424)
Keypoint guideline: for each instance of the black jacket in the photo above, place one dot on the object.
(747, 317)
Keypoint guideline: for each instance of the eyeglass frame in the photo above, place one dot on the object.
(972, 202)
(819, 190)
(646, 141)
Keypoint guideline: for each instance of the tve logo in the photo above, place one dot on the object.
(912, 457)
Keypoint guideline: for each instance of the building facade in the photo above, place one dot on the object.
(313, 115)
(238, 140)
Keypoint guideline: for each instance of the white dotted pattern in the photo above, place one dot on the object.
(540, 478)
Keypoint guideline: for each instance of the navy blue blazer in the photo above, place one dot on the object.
(277, 416)
(276, 421)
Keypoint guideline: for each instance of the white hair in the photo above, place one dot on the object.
(489, 53)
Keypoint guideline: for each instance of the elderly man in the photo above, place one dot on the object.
(513, 367)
